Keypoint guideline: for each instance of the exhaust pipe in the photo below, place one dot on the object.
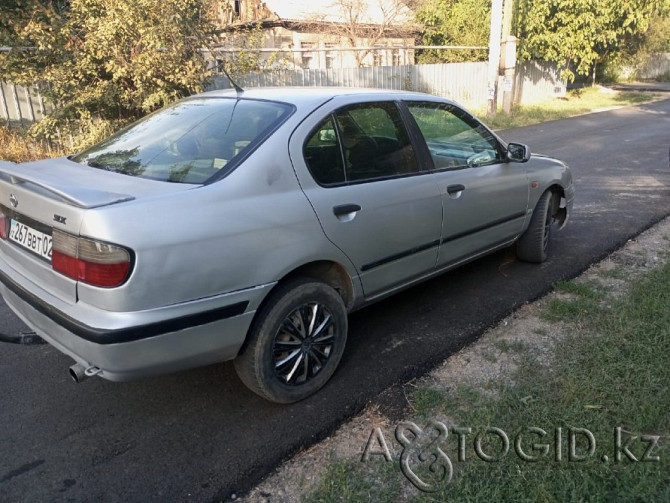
(25, 338)
(78, 372)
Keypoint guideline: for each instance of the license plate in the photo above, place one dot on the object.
(31, 239)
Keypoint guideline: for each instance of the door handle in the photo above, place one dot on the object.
(345, 209)
(451, 189)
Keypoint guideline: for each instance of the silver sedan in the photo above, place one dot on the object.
(247, 225)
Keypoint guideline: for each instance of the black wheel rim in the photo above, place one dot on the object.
(303, 343)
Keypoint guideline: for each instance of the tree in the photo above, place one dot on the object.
(104, 63)
(579, 34)
(454, 22)
(15, 15)
(655, 40)
(238, 51)
(657, 37)
(365, 22)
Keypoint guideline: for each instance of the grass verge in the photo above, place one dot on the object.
(577, 102)
(592, 424)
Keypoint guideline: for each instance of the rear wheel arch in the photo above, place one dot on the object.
(328, 272)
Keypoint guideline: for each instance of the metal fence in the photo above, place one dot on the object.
(537, 81)
(465, 83)
(20, 104)
(658, 65)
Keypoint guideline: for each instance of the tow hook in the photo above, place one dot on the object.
(78, 372)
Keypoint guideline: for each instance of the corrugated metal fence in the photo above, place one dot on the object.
(536, 81)
(658, 65)
(465, 83)
(21, 104)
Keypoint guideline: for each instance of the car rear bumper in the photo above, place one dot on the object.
(127, 346)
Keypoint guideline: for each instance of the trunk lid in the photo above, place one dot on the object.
(40, 196)
(80, 185)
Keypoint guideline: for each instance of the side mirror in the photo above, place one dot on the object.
(518, 152)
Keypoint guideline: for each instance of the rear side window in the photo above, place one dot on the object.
(188, 142)
(360, 143)
(323, 155)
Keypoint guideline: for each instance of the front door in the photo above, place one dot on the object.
(485, 198)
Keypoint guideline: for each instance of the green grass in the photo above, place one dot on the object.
(378, 483)
(617, 379)
(582, 300)
(579, 101)
(614, 273)
(427, 400)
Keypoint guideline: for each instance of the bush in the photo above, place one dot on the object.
(16, 145)
(104, 64)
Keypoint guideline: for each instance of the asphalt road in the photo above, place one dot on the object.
(201, 436)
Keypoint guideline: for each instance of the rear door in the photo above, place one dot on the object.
(360, 172)
(485, 198)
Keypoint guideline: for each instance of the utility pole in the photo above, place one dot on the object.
(508, 60)
(494, 56)
(508, 16)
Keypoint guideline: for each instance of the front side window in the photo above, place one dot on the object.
(455, 139)
(188, 142)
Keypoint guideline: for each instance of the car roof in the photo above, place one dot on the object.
(297, 95)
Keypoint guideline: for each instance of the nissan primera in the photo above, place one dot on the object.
(246, 225)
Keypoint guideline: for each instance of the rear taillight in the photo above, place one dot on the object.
(93, 262)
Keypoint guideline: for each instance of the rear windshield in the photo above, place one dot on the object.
(188, 142)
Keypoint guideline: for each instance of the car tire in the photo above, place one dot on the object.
(533, 244)
(295, 342)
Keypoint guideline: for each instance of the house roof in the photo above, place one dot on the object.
(372, 11)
